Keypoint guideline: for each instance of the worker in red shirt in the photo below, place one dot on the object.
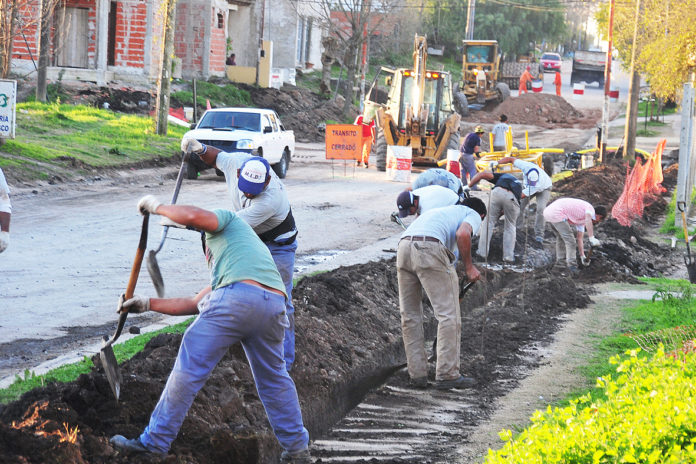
(368, 137)
(524, 79)
(557, 83)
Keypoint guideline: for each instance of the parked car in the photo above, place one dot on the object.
(551, 61)
(250, 130)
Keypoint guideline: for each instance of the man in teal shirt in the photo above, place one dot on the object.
(245, 302)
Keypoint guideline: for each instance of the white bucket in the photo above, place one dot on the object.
(453, 165)
(578, 91)
(587, 161)
(614, 94)
(537, 85)
(399, 163)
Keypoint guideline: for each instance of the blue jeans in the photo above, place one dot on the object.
(284, 257)
(237, 312)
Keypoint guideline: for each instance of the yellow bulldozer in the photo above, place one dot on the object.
(413, 107)
(480, 71)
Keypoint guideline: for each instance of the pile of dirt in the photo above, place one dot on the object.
(301, 110)
(598, 185)
(348, 340)
(539, 109)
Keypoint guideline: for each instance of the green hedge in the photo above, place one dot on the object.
(649, 416)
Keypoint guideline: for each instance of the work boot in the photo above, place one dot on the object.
(134, 445)
(461, 382)
(419, 382)
(296, 457)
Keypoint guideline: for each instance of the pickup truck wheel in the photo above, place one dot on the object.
(281, 167)
(379, 151)
(191, 171)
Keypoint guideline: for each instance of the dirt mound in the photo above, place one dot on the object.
(598, 185)
(540, 109)
(301, 110)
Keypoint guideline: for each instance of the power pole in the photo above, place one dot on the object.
(469, 33)
(607, 86)
(633, 95)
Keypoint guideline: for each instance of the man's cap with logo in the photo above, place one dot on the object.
(252, 175)
(532, 176)
(404, 202)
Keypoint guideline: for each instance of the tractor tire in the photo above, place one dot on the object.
(461, 104)
(503, 91)
(379, 151)
(547, 162)
(452, 144)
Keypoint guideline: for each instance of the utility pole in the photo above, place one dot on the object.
(607, 86)
(469, 33)
(364, 18)
(633, 95)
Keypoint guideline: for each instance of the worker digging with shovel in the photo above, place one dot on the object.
(425, 260)
(245, 302)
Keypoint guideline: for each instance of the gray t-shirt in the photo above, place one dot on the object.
(499, 131)
(434, 196)
(442, 223)
(267, 209)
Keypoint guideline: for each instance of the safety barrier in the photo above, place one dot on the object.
(578, 91)
(537, 85)
(614, 94)
(453, 165)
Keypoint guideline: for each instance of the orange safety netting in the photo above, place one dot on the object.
(643, 184)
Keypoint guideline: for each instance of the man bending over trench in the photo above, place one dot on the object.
(245, 302)
(425, 259)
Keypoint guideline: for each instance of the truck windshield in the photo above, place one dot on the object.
(479, 53)
(230, 120)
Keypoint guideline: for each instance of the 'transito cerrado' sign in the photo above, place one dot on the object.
(343, 141)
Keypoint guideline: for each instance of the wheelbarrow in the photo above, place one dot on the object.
(690, 263)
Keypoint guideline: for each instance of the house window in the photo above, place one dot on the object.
(301, 28)
(221, 21)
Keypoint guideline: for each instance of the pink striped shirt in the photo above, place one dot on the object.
(572, 210)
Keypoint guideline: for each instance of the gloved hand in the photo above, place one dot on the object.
(191, 145)
(585, 261)
(166, 222)
(4, 241)
(136, 305)
(493, 165)
(148, 204)
(466, 188)
(594, 242)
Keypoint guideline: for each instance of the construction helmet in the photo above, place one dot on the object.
(479, 130)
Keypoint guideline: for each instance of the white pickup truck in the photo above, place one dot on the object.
(250, 130)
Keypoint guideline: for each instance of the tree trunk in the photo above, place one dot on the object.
(163, 85)
(631, 117)
(351, 69)
(44, 43)
(8, 18)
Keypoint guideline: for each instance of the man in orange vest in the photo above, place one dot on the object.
(557, 83)
(368, 136)
(524, 79)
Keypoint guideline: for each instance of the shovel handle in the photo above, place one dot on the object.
(133, 279)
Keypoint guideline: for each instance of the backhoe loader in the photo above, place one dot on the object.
(413, 107)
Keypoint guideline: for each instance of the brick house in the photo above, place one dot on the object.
(121, 40)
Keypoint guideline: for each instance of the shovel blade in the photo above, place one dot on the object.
(155, 273)
(110, 365)
(691, 269)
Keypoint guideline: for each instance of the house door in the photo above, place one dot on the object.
(73, 39)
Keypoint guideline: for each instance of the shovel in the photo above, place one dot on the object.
(690, 265)
(461, 297)
(108, 359)
(395, 218)
(152, 267)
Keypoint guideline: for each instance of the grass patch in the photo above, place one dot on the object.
(665, 110)
(70, 372)
(646, 133)
(668, 226)
(219, 96)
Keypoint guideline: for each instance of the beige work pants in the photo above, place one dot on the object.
(565, 238)
(429, 266)
(542, 199)
(503, 202)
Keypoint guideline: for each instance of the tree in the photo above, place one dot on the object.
(168, 14)
(514, 24)
(351, 22)
(667, 34)
(48, 8)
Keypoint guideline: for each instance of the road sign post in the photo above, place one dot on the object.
(8, 105)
